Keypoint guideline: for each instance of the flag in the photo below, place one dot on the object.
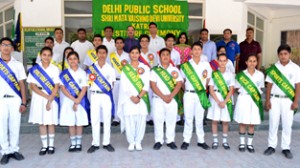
(17, 34)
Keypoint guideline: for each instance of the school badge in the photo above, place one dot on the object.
(92, 78)
(174, 74)
(140, 70)
(151, 58)
(204, 74)
(124, 62)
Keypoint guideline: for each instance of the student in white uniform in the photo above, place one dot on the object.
(101, 80)
(165, 99)
(44, 103)
(170, 40)
(156, 42)
(108, 40)
(91, 56)
(59, 44)
(56, 57)
(221, 103)
(82, 45)
(280, 104)
(75, 106)
(12, 102)
(195, 91)
(64, 63)
(117, 60)
(133, 105)
(248, 112)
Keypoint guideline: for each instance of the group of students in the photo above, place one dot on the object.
(139, 84)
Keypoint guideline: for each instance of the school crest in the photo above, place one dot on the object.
(140, 70)
(174, 74)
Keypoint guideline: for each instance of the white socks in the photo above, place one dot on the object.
(44, 141)
(51, 140)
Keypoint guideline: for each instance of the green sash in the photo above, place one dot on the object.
(191, 75)
(252, 90)
(222, 87)
(282, 82)
(137, 82)
(166, 77)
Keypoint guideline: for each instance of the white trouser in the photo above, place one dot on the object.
(135, 128)
(100, 107)
(116, 98)
(193, 108)
(10, 118)
(150, 94)
(280, 107)
(163, 112)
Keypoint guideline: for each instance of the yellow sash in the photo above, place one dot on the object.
(92, 55)
(116, 62)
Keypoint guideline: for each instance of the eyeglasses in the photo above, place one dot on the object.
(144, 41)
(6, 45)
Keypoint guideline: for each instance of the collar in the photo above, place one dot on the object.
(11, 57)
(111, 41)
(156, 36)
(160, 66)
(289, 63)
(246, 71)
(62, 42)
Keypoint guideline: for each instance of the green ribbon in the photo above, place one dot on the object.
(252, 90)
(282, 82)
(137, 82)
(222, 87)
(167, 78)
(191, 75)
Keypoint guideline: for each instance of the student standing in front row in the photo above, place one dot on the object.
(134, 102)
(75, 106)
(282, 97)
(249, 108)
(221, 88)
(43, 80)
(197, 74)
(165, 81)
(12, 101)
(101, 80)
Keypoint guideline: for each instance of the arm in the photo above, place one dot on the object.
(229, 94)
(213, 94)
(176, 89)
(23, 94)
(259, 61)
(34, 88)
(156, 90)
(67, 93)
(268, 96)
(296, 99)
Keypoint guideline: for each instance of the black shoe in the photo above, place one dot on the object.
(242, 147)
(51, 150)
(226, 146)
(101, 124)
(4, 159)
(269, 151)
(92, 149)
(184, 146)
(214, 145)
(78, 148)
(157, 146)
(72, 148)
(115, 123)
(17, 156)
(150, 122)
(180, 122)
(250, 148)
(172, 145)
(43, 151)
(109, 148)
(287, 153)
(203, 146)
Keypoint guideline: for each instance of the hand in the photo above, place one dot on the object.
(75, 107)
(222, 104)
(48, 106)
(22, 109)
(50, 98)
(135, 99)
(294, 105)
(77, 101)
(268, 105)
(168, 98)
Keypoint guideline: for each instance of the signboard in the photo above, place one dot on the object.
(171, 16)
(34, 41)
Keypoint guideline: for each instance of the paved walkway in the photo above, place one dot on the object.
(167, 158)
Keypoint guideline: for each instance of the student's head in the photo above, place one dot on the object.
(97, 40)
(73, 59)
(134, 53)
(170, 40)
(58, 33)
(81, 34)
(130, 31)
(284, 53)
(49, 42)
(222, 60)
(108, 31)
(119, 42)
(6, 46)
(221, 50)
(101, 53)
(196, 49)
(67, 50)
(165, 56)
(251, 61)
(204, 34)
(249, 33)
(46, 54)
(153, 28)
(144, 40)
(182, 38)
(227, 33)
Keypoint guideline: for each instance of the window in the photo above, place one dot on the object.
(6, 21)
(196, 19)
(257, 23)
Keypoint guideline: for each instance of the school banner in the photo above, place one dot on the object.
(171, 16)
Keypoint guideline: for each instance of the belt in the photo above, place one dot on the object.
(191, 91)
(97, 91)
(278, 96)
(117, 79)
(8, 96)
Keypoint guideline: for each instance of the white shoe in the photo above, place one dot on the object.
(131, 147)
(138, 147)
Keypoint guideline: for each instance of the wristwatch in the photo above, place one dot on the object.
(24, 104)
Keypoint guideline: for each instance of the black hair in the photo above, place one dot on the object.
(164, 49)
(46, 49)
(134, 48)
(225, 30)
(170, 35)
(97, 36)
(204, 30)
(73, 53)
(144, 36)
(49, 38)
(109, 27)
(7, 39)
(152, 23)
(252, 55)
(284, 47)
(197, 43)
(222, 54)
(57, 29)
(81, 29)
(103, 47)
(220, 47)
(130, 26)
(119, 38)
(187, 39)
(64, 56)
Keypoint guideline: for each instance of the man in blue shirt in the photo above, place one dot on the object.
(209, 47)
(232, 47)
(130, 41)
